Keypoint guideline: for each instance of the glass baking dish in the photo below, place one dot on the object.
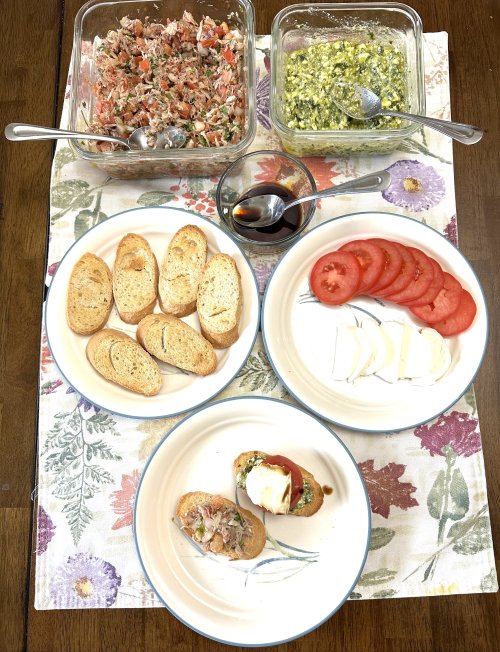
(93, 22)
(299, 26)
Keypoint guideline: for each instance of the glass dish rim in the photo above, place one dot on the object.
(204, 153)
(263, 244)
(350, 134)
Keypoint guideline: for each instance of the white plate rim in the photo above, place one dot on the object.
(328, 417)
(196, 216)
(215, 405)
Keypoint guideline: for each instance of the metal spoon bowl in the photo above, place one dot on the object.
(139, 139)
(264, 210)
(362, 104)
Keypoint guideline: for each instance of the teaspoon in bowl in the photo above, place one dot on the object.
(264, 210)
(139, 139)
(362, 104)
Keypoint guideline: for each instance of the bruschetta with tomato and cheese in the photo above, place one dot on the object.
(277, 484)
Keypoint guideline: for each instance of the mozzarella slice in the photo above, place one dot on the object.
(347, 352)
(383, 349)
(440, 358)
(270, 486)
(394, 331)
(366, 353)
(416, 353)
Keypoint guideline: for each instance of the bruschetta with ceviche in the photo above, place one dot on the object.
(220, 526)
(277, 484)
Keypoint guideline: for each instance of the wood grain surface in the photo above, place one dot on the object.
(35, 53)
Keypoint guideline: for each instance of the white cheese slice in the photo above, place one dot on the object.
(366, 353)
(416, 354)
(270, 486)
(383, 349)
(394, 331)
(440, 358)
(347, 352)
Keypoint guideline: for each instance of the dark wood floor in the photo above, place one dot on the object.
(35, 52)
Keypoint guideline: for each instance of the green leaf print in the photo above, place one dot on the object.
(458, 506)
(436, 497)
(64, 156)
(71, 193)
(88, 218)
(380, 537)
(71, 450)
(386, 593)
(470, 399)
(155, 198)
(489, 583)
(257, 374)
(355, 596)
(477, 538)
(380, 576)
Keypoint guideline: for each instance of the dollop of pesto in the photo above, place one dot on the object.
(311, 72)
(306, 498)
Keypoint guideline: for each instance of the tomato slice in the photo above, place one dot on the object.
(336, 277)
(371, 258)
(393, 262)
(445, 303)
(432, 291)
(459, 320)
(404, 277)
(422, 278)
(297, 481)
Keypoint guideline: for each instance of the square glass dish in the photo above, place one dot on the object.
(92, 24)
(315, 45)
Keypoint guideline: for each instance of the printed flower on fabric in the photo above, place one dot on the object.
(385, 489)
(414, 186)
(262, 273)
(44, 532)
(84, 582)
(82, 402)
(46, 358)
(450, 230)
(458, 430)
(263, 93)
(123, 500)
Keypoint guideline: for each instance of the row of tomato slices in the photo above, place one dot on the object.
(394, 272)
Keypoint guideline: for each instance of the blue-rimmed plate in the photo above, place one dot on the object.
(181, 391)
(299, 332)
(308, 567)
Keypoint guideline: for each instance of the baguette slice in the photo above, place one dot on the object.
(253, 540)
(317, 492)
(219, 301)
(90, 295)
(119, 358)
(171, 340)
(181, 271)
(135, 278)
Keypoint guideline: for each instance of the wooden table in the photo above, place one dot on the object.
(35, 53)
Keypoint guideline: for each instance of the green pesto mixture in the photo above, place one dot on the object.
(311, 72)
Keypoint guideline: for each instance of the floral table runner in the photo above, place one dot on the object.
(430, 523)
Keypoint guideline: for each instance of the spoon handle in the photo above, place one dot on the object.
(466, 134)
(369, 183)
(19, 131)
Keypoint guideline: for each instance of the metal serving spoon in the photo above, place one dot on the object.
(362, 104)
(169, 138)
(264, 210)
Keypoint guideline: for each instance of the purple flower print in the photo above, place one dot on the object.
(263, 97)
(450, 230)
(44, 531)
(457, 430)
(84, 582)
(52, 269)
(262, 274)
(414, 186)
(87, 405)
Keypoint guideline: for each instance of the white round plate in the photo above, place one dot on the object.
(299, 332)
(181, 391)
(287, 590)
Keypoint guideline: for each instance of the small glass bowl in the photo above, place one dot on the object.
(93, 21)
(269, 169)
(299, 26)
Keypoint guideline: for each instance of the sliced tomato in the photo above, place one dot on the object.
(420, 282)
(405, 276)
(336, 277)
(393, 261)
(297, 481)
(459, 320)
(445, 303)
(371, 259)
(432, 291)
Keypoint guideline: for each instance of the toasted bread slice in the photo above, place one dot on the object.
(250, 533)
(90, 295)
(219, 301)
(181, 271)
(119, 358)
(135, 278)
(312, 489)
(171, 340)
